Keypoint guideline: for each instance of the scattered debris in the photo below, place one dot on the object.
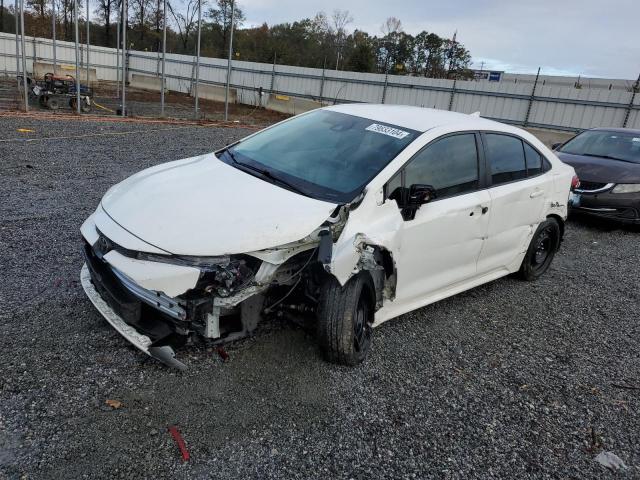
(175, 433)
(626, 387)
(28, 165)
(25, 130)
(115, 404)
(223, 354)
(610, 460)
(595, 441)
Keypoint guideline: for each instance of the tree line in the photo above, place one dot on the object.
(321, 41)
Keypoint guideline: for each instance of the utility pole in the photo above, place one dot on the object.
(226, 91)
(451, 53)
(75, 15)
(24, 60)
(53, 31)
(324, 66)
(531, 98)
(634, 92)
(118, 52)
(88, 43)
(125, 12)
(164, 54)
(198, 56)
(16, 10)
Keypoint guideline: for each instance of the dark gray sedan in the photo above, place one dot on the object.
(607, 161)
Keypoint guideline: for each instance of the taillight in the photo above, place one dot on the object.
(575, 182)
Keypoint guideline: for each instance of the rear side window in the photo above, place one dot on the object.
(450, 165)
(506, 158)
(534, 160)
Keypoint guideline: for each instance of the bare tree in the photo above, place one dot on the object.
(104, 11)
(158, 23)
(340, 20)
(220, 14)
(141, 12)
(320, 23)
(186, 21)
(391, 29)
(38, 6)
(66, 8)
(40, 24)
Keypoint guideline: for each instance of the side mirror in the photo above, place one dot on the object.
(555, 146)
(418, 195)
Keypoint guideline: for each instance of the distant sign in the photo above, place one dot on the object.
(487, 75)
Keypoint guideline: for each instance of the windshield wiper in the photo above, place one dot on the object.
(266, 173)
(608, 157)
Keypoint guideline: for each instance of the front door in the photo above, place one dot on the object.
(440, 246)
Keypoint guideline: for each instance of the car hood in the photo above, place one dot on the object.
(203, 206)
(605, 170)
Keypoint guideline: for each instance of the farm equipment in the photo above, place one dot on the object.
(54, 92)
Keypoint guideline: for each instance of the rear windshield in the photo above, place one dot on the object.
(599, 143)
(327, 155)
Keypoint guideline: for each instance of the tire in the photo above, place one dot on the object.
(542, 249)
(53, 103)
(345, 320)
(85, 106)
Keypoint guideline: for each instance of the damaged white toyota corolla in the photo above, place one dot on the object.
(345, 216)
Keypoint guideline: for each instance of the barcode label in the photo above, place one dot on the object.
(392, 132)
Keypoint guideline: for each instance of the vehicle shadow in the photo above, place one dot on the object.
(602, 224)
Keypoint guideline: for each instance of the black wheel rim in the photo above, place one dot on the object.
(362, 327)
(543, 247)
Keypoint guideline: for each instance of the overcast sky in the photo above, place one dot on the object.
(588, 37)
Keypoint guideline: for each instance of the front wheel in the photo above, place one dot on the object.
(542, 249)
(345, 320)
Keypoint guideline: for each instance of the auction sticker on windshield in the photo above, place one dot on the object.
(392, 132)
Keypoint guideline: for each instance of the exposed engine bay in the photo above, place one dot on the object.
(231, 293)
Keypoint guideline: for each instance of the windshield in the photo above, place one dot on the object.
(608, 144)
(323, 154)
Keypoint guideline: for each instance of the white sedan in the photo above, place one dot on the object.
(343, 217)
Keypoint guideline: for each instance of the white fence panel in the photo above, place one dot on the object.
(556, 103)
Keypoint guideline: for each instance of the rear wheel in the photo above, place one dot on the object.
(542, 249)
(53, 103)
(345, 320)
(85, 106)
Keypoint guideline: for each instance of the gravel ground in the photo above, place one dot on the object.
(509, 380)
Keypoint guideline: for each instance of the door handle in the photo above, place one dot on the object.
(536, 194)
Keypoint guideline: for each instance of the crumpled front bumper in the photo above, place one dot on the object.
(163, 353)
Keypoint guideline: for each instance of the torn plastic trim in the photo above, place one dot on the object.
(162, 302)
(165, 354)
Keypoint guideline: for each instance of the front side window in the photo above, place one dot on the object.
(505, 158)
(449, 165)
(325, 154)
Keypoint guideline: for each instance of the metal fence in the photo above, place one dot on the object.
(533, 104)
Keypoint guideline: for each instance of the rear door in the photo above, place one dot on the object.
(519, 189)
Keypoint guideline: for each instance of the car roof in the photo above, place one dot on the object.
(418, 118)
